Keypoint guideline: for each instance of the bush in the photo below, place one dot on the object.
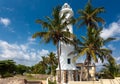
(7, 75)
(106, 76)
(29, 75)
(50, 82)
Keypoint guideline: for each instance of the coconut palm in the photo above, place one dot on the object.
(42, 66)
(54, 31)
(92, 47)
(44, 62)
(110, 70)
(93, 43)
(89, 15)
(52, 61)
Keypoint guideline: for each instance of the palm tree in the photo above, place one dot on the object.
(92, 47)
(44, 62)
(52, 60)
(93, 43)
(41, 67)
(89, 16)
(54, 31)
(110, 70)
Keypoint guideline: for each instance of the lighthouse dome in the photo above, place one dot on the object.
(66, 6)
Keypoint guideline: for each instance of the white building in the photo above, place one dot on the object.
(69, 72)
(68, 68)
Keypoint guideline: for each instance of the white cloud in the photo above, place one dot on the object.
(118, 38)
(43, 52)
(21, 53)
(30, 39)
(80, 59)
(118, 59)
(100, 63)
(5, 21)
(113, 30)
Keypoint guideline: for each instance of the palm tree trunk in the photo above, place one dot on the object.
(60, 49)
(88, 56)
(82, 69)
(81, 74)
(88, 61)
(88, 71)
(58, 52)
(51, 70)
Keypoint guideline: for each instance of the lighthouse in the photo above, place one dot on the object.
(68, 67)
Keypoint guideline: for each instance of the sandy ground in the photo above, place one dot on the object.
(20, 80)
(101, 81)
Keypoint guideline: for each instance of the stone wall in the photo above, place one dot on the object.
(19, 81)
(40, 76)
(12, 81)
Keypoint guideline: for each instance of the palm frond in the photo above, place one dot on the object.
(108, 40)
(97, 11)
(81, 12)
(88, 6)
(43, 23)
(75, 58)
(99, 19)
(83, 52)
(38, 34)
(94, 56)
(56, 12)
(81, 24)
(84, 38)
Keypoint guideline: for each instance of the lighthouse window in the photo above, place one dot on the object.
(68, 60)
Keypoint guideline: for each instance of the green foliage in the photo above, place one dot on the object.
(53, 62)
(7, 74)
(54, 28)
(20, 69)
(53, 31)
(47, 65)
(7, 67)
(106, 76)
(30, 77)
(110, 70)
(38, 69)
(89, 16)
(92, 47)
(92, 44)
(50, 82)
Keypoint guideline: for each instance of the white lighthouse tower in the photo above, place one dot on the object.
(68, 67)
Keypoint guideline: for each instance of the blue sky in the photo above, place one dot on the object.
(17, 24)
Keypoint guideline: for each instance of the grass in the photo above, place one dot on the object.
(30, 77)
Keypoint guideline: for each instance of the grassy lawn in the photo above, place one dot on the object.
(31, 77)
